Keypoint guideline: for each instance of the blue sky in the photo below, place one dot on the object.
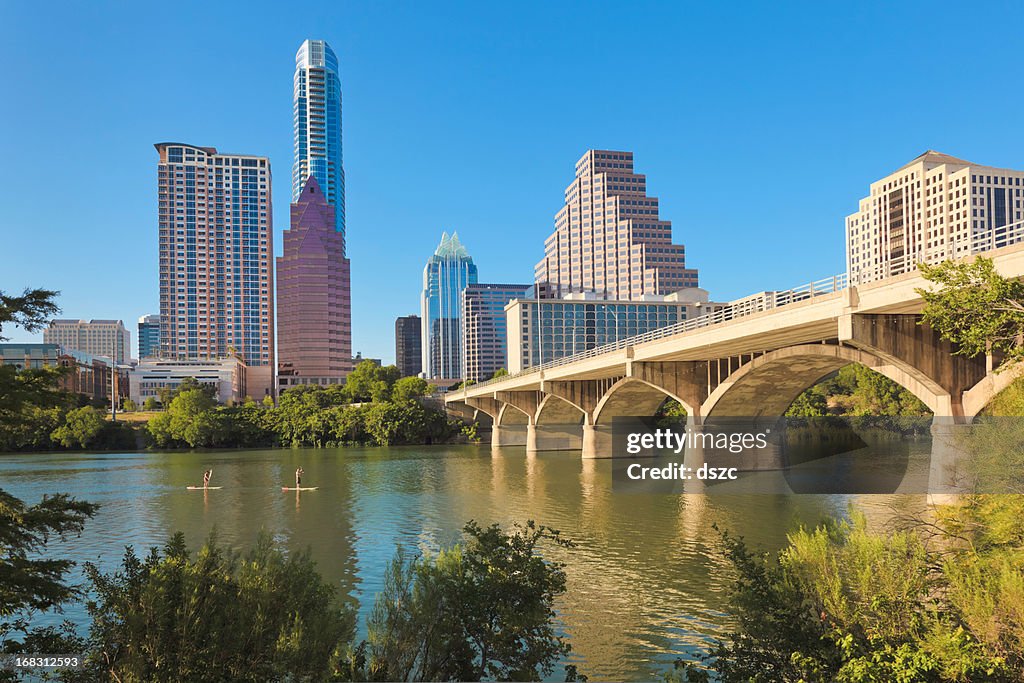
(759, 126)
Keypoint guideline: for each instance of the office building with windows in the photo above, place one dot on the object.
(449, 271)
(544, 330)
(149, 336)
(314, 309)
(216, 256)
(317, 125)
(408, 345)
(484, 330)
(96, 337)
(609, 238)
(936, 207)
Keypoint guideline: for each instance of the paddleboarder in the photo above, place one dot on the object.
(206, 478)
(298, 477)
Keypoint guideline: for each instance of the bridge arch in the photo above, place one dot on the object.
(508, 414)
(633, 396)
(555, 410)
(767, 385)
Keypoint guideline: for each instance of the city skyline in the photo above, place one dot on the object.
(801, 152)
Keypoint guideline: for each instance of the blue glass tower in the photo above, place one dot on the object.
(449, 271)
(317, 121)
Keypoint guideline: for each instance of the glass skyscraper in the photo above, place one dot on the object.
(317, 121)
(449, 271)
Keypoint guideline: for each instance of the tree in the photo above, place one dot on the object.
(371, 382)
(81, 428)
(975, 308)
(30, 311)
(408, 388)
(190, 419)
(220, 616)
(480, 610)
(268, 401)
(500, 372)
(28, 581)
(129, 406)
(811, 403)
(149, 404)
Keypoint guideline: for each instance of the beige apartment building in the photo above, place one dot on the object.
(609, 238)
(107, 338)
(937, 207)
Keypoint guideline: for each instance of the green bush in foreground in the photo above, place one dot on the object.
(939, 601)
(480, 610)
(262, 616)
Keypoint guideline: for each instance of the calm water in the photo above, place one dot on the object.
(645, 582)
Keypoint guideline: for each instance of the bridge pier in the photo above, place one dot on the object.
(550, 437)
(948, 476)
(597, 442)
(509, 435)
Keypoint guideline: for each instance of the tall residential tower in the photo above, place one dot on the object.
(317, 122)
(608, 237)
(216, 252)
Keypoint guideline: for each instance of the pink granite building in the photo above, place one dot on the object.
(609, 238)
(314, 309)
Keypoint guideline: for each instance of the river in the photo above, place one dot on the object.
(645, 583)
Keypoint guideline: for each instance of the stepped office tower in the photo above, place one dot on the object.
(608, 237)
(216, 254)
(313, 302)
(317, 121)
(937, 207)
(449, 271)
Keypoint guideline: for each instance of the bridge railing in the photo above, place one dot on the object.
(1009, 234)
(764, 301)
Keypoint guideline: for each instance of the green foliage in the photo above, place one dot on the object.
(859, 391)
(264, 616)
(975, 308)
(80, 429)
(500, 372)
(129, 406)
(941, 601)
(149, 404)
(409, 388)
(480, 610)
(29, 311)
(371, 382)
(29, 582)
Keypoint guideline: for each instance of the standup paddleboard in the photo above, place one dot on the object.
(203, 488)
(292, 488)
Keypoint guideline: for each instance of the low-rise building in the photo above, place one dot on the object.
(543, 330)
(226, 376)
(88, 374)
